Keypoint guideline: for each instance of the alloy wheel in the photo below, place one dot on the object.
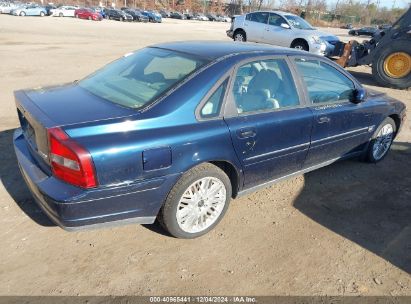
(201, 204)
(383, 141)
(239, 37)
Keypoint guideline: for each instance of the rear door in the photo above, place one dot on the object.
(254, 26)
(340, 126)
(270, 126)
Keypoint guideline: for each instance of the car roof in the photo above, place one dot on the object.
(281, 13)
(216, 49)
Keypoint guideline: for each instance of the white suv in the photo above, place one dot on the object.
(282, 29)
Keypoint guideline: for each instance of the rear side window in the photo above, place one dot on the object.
(264, 85)
(324, 83)
(259, 17)
(213, 105)
(137, 79)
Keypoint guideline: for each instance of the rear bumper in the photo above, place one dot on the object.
(73, 208)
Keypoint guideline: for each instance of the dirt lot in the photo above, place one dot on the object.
(341, 230)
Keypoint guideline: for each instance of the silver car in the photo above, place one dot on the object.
(7, 7)
(281, 29)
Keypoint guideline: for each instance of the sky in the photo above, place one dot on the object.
(386, 3)
(397, 3)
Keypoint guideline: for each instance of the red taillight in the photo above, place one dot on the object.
(70, 161)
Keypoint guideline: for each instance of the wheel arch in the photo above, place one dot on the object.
(300, 40)
(397, 121)
(239, 29)
(231, 172)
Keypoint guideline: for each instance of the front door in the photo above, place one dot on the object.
(276, 34)
(270, 127)
(340, 126)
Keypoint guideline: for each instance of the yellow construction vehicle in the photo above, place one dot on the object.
(388, 52)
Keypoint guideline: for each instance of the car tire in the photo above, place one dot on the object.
(300, 45)
(61, 15)
(240, 35)
(381, 141)
(89, 18)
(22, 14)
(170, 215)
(380, 71)
(42, 14)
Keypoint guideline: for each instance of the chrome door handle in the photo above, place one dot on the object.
(246, 133)
(323, 119)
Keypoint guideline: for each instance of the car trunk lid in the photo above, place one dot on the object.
(41, 109)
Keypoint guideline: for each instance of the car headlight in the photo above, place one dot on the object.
(316, 39)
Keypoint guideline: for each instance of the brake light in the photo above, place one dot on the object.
(69, 161)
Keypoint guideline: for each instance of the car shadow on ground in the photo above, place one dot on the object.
(13, 181)
(364, 78)
(369, 204)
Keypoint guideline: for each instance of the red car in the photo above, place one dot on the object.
(86, 13)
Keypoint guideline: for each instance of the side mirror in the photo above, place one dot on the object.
(359, 95)
(285, 25)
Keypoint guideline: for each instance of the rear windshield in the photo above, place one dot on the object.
(137, 79)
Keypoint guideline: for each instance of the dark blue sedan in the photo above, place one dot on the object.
(174, 131)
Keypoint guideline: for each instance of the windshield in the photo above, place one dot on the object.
(139, 78)
(298, 22)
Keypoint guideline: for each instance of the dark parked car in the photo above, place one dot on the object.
(114, 14)
(152, 16)
(137, 15)
(164, 14)
(364, 31)
(212, 17)
(176, 130)
(176, 15)
(384, 26)
(189, 16)
(347, 26)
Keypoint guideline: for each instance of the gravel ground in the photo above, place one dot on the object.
(341, 230)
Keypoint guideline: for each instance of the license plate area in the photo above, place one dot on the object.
(28, 130)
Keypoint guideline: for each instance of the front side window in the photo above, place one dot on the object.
(324, 83)
(276, 20)
(259, 17)
(137, 79)
(264, 85)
